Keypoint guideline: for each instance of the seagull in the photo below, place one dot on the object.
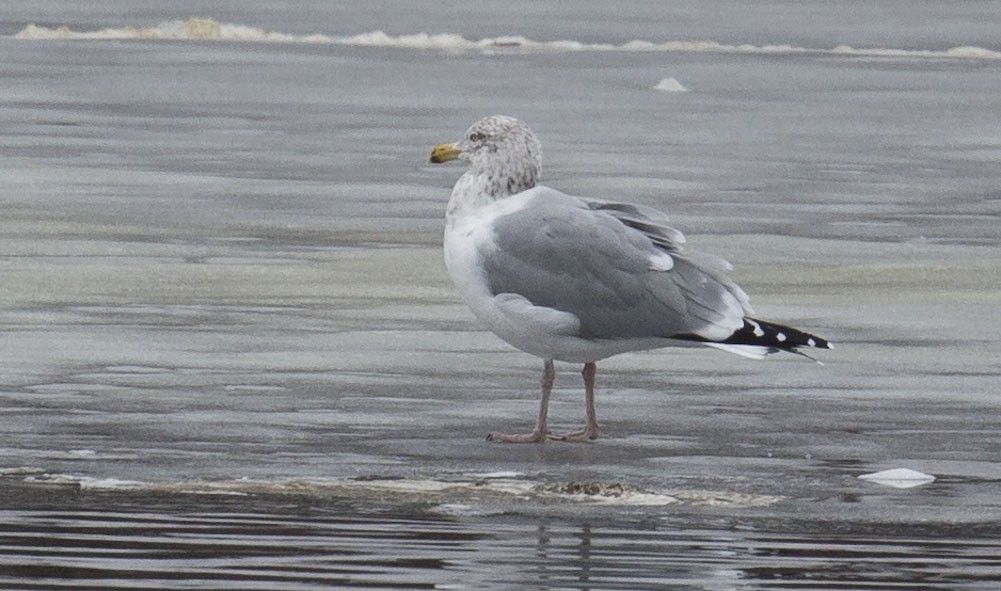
(579, 280)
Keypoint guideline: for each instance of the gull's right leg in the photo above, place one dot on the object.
(540, 433)
(590, 430)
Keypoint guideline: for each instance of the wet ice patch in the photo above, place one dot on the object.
(465, 510)
(899, 478)
(86, 483)
(499, 474)
(606, 494)
(83, 454)
(21, 471)
(253, 388)
(136, 369)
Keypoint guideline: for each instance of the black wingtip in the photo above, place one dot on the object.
(778, 336)
(772, 336)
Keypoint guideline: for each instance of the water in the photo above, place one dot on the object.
(153, 544)
(230, 356)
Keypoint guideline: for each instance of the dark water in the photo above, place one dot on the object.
(121, 542)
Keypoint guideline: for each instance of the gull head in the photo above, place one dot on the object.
(502, 152)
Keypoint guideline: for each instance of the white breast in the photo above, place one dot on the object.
(469, 237)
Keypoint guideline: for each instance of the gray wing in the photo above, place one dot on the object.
(647, 220)
(604, 262)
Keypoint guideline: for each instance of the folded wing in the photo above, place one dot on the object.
(618, 268)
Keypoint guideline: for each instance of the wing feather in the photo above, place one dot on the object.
(592, 259)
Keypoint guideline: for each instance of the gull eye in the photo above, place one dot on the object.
(476, 136)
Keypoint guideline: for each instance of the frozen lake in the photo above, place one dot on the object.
(230, 356)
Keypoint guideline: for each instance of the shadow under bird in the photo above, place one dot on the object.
(577, 279)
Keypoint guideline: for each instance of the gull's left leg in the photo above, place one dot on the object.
(541, 432)
(590, 430)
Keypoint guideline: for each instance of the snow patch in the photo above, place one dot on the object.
(899, 478)
(670, 85)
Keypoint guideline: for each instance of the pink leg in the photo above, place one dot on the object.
(540, 433)
(590, 430)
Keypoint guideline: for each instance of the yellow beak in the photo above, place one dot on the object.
(444, 153)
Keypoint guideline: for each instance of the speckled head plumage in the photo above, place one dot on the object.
(501, 150)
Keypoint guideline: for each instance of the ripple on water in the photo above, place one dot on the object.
(121, 537)
(280, 544)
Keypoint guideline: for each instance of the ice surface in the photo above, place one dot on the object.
(227, 283)
(222, 260)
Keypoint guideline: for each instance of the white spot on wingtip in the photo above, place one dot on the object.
(780, 337)
(811, 342)
(758, 332)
